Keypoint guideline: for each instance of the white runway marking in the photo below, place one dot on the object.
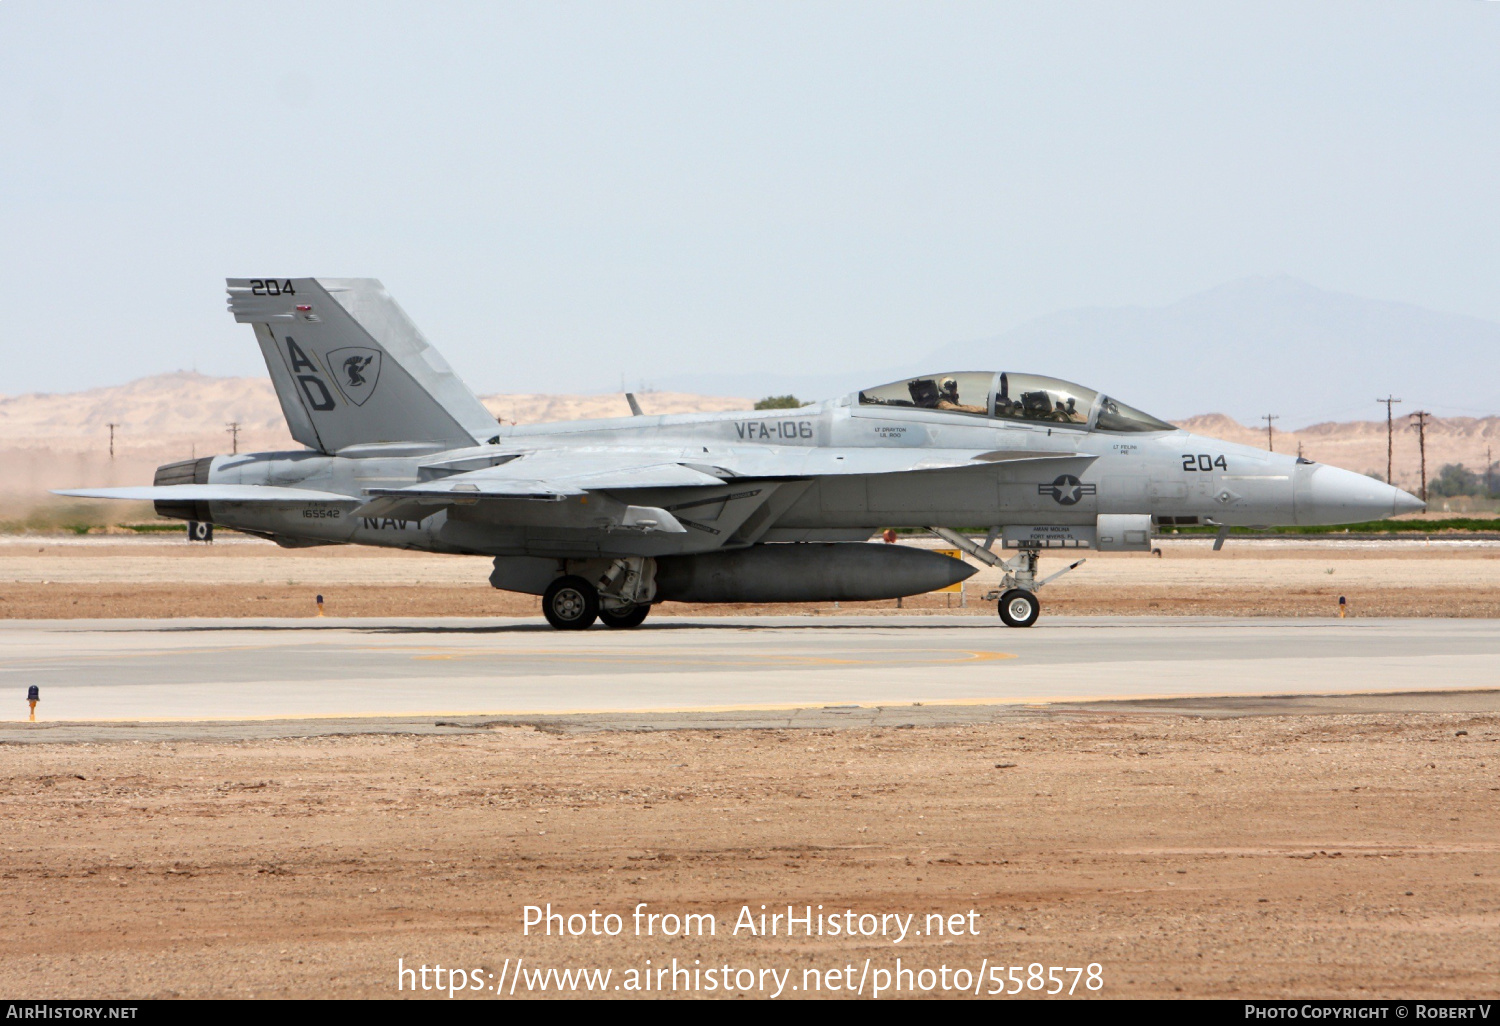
(231, 669)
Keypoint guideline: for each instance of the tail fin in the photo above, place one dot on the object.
(350, 367)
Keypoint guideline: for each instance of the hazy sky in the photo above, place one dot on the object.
(561, 193)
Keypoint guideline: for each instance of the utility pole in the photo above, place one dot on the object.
(1390, 430)
(1421, 418)
(233, 427)
(112, 440)
(1270, 434)
(1489, 474)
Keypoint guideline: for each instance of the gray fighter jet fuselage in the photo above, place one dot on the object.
(603, 518)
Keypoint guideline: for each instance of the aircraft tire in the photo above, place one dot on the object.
(1019, 608)
(570, 604)
(630, 616)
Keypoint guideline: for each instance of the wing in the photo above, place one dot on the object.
(552, 475)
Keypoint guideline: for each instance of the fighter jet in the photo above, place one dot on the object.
(604, 518)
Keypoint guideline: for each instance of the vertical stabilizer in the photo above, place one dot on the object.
(350, 368)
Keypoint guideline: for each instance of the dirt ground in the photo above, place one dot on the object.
(1329, 856)
(23, 601)
(60, 578)
(1326, 855)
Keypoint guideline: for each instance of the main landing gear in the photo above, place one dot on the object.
(1019, 606)
(570, 604)
(621, 600)
(624, 617)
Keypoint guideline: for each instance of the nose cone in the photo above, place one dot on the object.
(1406, 502)
(1328, 495)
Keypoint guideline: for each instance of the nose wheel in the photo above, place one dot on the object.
(1019, 608)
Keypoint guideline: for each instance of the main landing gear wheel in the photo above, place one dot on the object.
(626, 616)
(570, 604)
(1019, 608)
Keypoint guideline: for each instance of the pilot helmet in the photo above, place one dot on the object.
(949, 385)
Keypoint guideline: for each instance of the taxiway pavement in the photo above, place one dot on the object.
(285, 669)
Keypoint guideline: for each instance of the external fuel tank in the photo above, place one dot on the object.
(807, 572)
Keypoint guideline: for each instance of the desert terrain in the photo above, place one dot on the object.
(1346, 848)
(121, 575)
(1337, 855)
(62, 440)
(50, 440)
(1334, 847)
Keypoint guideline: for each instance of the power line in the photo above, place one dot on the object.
(1421, 418)
(1390, 430)
(1270, 434)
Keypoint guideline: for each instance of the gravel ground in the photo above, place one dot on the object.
(1307, 855)
(103, 576)
(1324, 855)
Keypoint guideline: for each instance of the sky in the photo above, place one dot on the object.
(568, 195)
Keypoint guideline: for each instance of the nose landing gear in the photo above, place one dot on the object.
(1019, 606)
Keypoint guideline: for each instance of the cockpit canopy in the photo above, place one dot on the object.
(1004, 396)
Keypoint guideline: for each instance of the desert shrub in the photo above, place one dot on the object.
(1454, 479)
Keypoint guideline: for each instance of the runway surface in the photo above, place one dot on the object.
(282, 669)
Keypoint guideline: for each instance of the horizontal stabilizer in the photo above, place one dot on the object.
(207, 493)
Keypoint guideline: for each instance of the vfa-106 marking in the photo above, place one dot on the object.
(784, 429)
(605, 518)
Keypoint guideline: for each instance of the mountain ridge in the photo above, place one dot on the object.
(52, 440)
(1263, 344)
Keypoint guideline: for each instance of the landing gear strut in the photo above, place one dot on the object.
(625, 592)
(1019, 606)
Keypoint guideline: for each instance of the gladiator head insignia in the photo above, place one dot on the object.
(1067, 490)
(352, 368)
(357, 371)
